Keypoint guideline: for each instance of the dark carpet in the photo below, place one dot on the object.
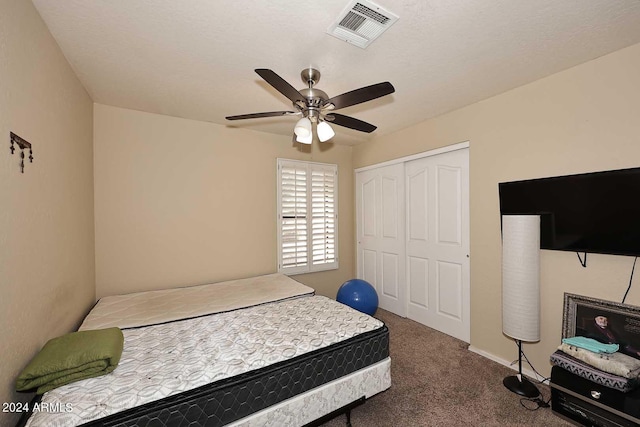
(437, 381)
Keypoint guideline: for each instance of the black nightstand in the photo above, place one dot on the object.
(579, 400)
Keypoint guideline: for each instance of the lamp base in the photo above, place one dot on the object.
(521, 386)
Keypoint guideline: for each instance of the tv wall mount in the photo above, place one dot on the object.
(582, 262)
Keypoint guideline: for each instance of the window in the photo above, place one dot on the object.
(307, 216)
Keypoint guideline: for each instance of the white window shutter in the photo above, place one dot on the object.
(323, 216)
(293, 217)
(307, 216)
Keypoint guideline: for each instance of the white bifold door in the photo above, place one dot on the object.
(413, 238)
(381, 235)
(438, 242)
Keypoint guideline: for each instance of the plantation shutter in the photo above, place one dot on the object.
(323, 215)
(307, 216)
(293, 217)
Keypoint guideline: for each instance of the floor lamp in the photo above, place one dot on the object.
(521, 290)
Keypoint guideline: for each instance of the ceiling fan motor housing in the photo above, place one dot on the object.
(315, 98)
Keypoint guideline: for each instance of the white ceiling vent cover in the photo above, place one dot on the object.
(361, 22)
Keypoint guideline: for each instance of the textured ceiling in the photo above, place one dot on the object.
(195, 58)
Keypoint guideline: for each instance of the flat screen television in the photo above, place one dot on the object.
(595, 212)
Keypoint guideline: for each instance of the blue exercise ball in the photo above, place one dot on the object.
(358, 294)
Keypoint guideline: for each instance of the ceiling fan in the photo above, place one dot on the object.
(315, 106)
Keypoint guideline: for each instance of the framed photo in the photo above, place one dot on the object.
(606, 321)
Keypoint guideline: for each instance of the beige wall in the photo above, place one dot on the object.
(580, 120)
(47, 276)
(180, 202)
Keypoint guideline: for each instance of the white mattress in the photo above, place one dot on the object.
(165, 359)
(153, 307)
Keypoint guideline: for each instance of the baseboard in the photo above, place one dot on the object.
(528, 372)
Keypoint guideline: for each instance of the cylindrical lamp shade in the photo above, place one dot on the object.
(521, 277)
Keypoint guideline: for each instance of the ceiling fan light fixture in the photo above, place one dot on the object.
(325, 131)
(303, 128)
(305, 139)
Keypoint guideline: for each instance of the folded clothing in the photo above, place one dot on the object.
(615, 363)
(72, 357)
(591, 345)
(584, 370)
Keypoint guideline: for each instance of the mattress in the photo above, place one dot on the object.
(153, 307)
(219, 368)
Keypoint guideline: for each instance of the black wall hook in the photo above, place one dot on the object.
(23, 144)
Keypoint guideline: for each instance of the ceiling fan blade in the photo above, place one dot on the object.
(281, 85)
(260, 115)
(350, 122)
(363, 94)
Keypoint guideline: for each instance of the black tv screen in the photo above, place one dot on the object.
(595, 212)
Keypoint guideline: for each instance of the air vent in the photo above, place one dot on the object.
(361, 22)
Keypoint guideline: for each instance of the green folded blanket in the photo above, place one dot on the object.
(72, 357)
(591, 345)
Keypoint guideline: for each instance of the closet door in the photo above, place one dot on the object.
(437, 245)
(381, 234)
